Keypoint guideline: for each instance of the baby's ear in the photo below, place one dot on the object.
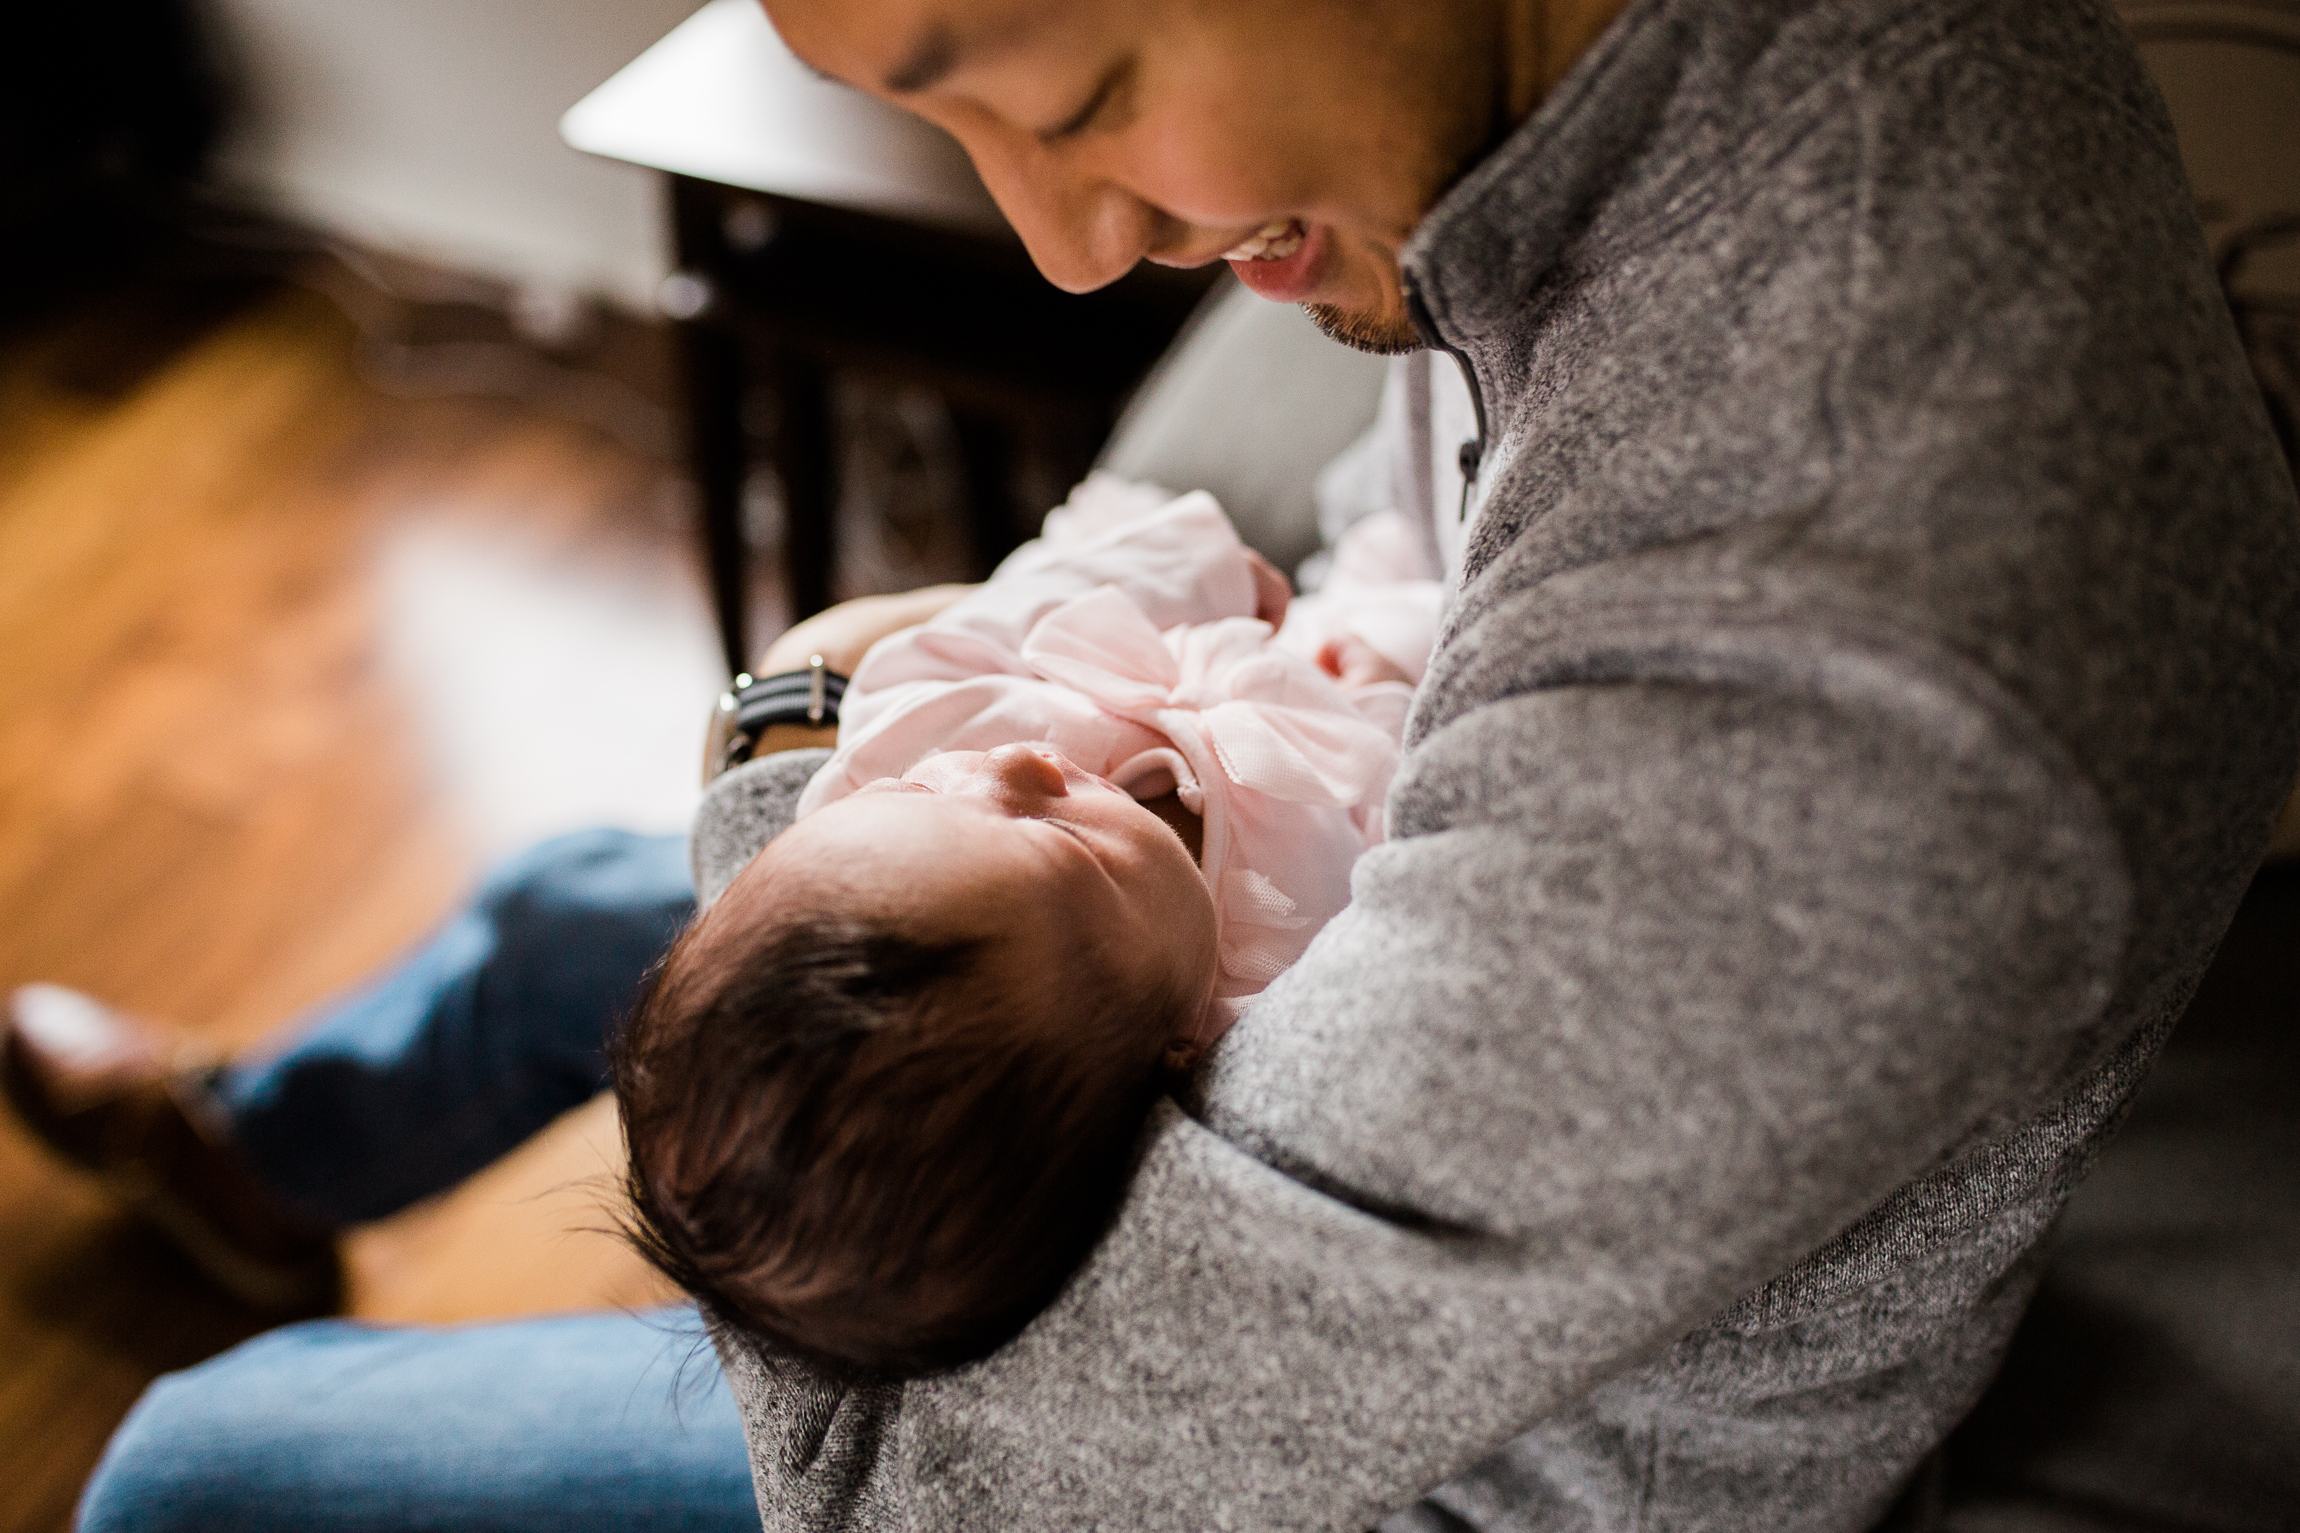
(1186, 1048)
(1182, 1055)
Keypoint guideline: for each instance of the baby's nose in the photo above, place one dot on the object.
(1028, 769)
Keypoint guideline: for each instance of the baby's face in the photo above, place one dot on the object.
(1019, 847)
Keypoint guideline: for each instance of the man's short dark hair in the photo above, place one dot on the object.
(852, 1143)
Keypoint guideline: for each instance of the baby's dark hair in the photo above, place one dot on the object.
(851, 1142)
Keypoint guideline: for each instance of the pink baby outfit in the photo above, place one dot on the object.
(1125, 638)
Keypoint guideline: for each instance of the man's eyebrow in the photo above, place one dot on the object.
(933, 56)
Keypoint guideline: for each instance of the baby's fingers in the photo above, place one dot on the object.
(1353, 662)
(1272, 590)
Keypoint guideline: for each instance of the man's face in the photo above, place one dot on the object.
(1303, 139)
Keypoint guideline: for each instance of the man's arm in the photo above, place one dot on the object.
(1659, 987)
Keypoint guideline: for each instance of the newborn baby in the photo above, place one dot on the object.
(880, 1098)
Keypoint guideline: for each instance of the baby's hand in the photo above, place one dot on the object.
(1353, 662)
(1272, 590)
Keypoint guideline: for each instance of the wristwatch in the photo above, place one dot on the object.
(751, 707)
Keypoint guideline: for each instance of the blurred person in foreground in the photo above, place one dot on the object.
(1870, 671)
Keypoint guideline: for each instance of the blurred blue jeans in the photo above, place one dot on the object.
(485, 1034)
(544, 1426)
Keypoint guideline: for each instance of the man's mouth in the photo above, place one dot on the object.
(1285, 260)
(1274, 241)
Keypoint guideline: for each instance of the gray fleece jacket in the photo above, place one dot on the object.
(1875, 665)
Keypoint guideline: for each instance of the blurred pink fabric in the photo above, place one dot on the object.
(1125, 638)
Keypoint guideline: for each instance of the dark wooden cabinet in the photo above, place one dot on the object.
(776, 296)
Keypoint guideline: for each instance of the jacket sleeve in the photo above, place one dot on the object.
(1657, 986)
(742, 811)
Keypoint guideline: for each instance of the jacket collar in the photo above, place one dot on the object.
(1644, 122)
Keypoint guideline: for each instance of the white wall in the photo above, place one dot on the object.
(430, 128)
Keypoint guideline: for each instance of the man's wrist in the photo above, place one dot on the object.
(795, 737)
(792, 710)
(773, 740)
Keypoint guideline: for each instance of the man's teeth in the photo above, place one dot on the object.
(1274, 241)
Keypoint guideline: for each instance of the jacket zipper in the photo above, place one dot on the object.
(1472, 452)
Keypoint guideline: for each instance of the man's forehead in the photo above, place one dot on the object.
(907, 46)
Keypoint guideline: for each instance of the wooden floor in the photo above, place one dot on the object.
(216, 804)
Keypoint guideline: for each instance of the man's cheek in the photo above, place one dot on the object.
(1188, 166)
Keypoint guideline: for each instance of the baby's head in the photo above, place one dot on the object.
(881, 1098)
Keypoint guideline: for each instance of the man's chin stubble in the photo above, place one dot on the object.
(1380, 334)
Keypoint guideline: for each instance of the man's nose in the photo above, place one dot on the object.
(1082, 230)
